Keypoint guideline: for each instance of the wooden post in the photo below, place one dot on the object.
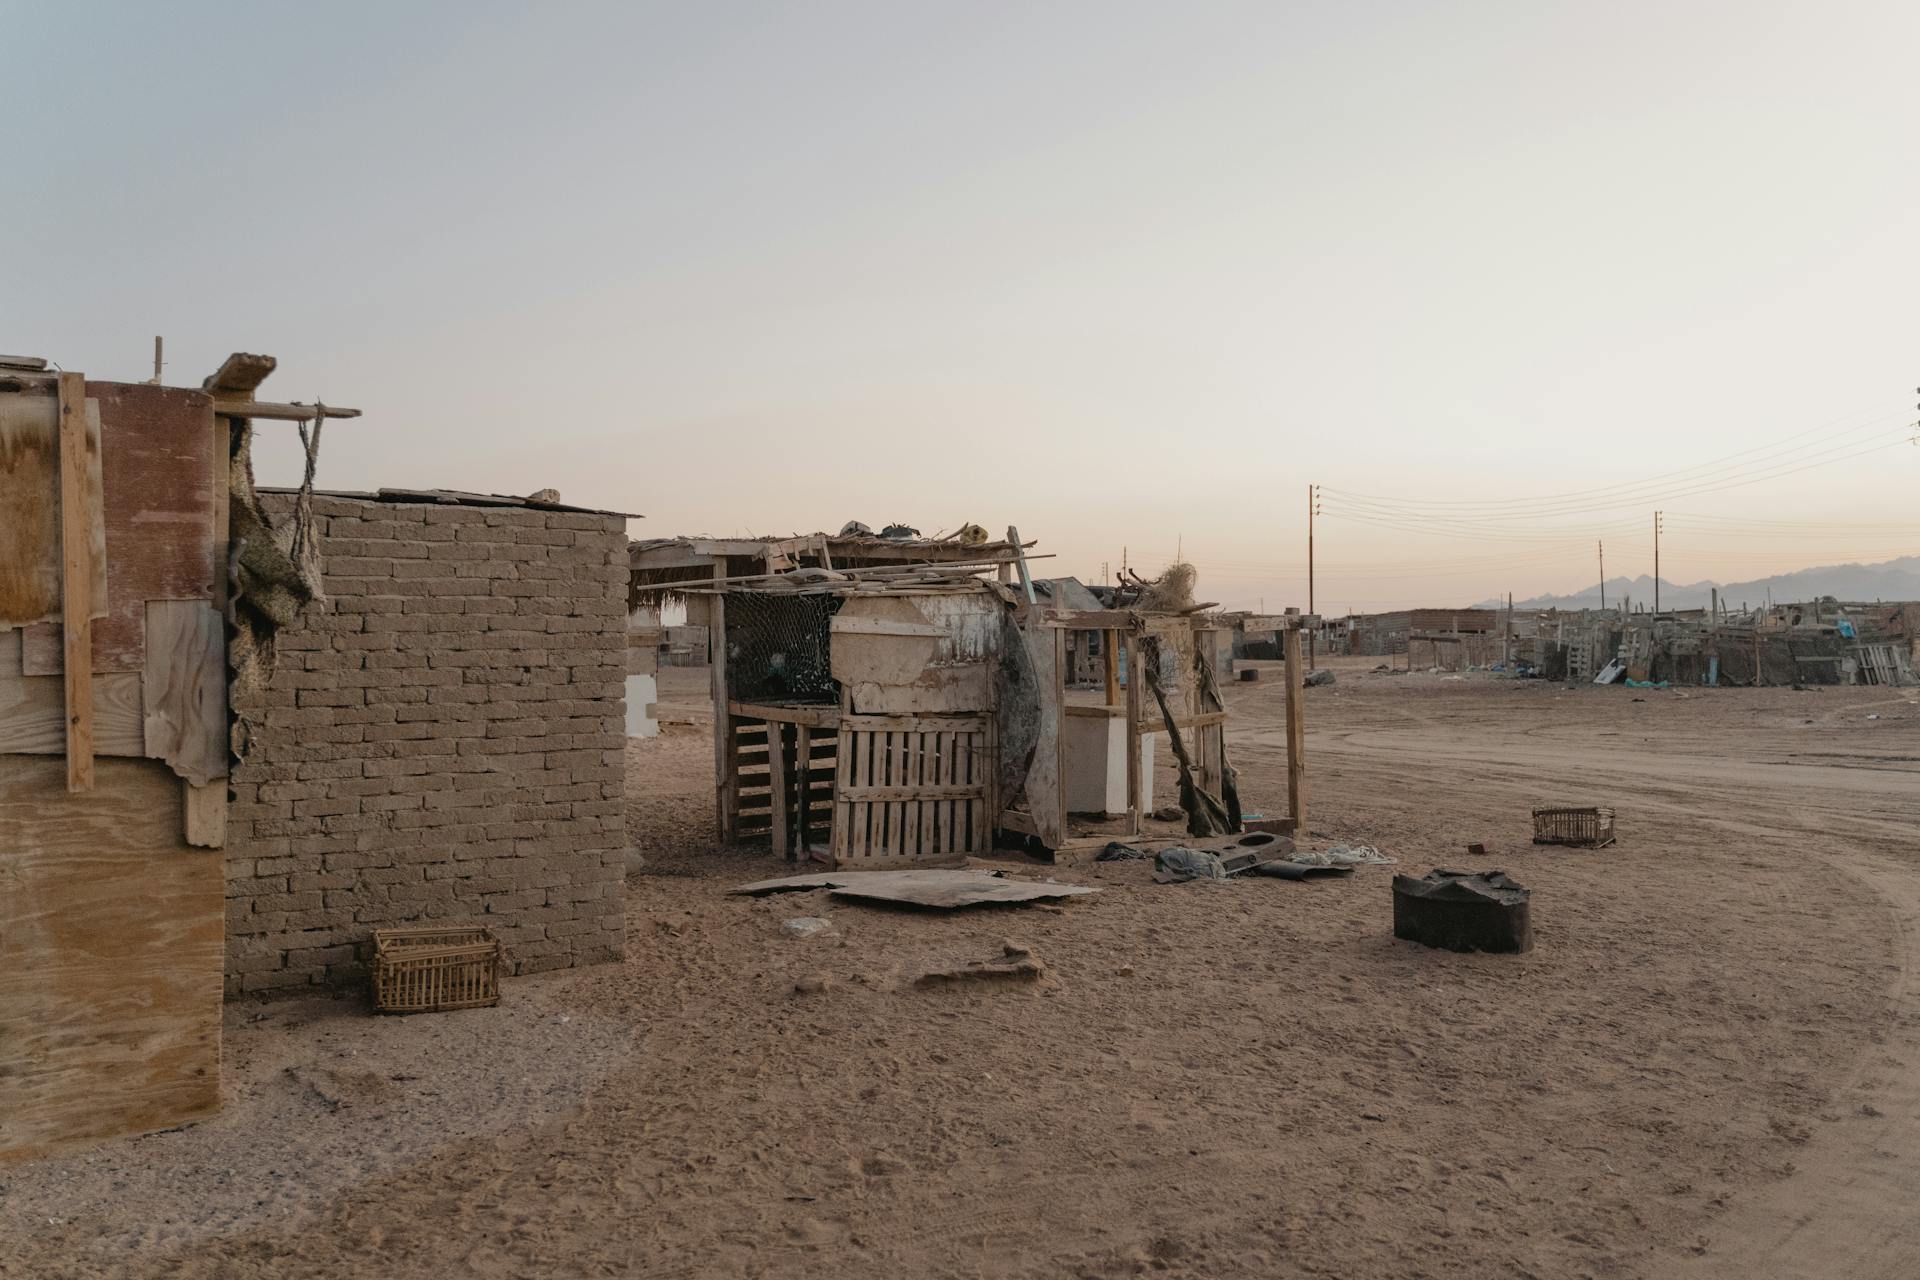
(1136, 783)
(1020, 558)
(206, 806)
(1059, 715)
(1296, 736)
(76, 580)
(803, 785)
(723, 751)
(1110, 660)
(777, 790)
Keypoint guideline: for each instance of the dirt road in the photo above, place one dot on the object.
(1705, 1067)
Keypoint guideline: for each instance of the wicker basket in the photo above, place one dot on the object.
(425, 970)
(1589, 828)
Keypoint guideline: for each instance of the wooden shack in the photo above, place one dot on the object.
(910, 715)
(113, 747)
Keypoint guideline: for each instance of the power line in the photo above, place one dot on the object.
(1736, 481)
(1777, 447)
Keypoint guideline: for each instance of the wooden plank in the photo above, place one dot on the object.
(267, 410)
(33, 715)
(822, 717)
(1061, 675)
(844, 625)
(722, 722)
(837, 837)
(915, 791)
(1044, 785)
(1136, 781)
(239, 375)
(185, 689)
(778, 785)
(156, 446)
(206, 814)
(940, 774)
(30, 519)
(803, 787)
(1094, 619)
(78, 514)
(860, 815)
(1296, 732)
(897, 724)
(111, 955)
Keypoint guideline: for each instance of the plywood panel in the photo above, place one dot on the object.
(156, 449)
(33, 715)
(184, 688)
(110, 957)
(30, 507)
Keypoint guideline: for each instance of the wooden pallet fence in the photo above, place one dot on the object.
(912, 787)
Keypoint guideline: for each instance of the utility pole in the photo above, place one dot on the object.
(158, 347)
(1313, 509)
(1656, 564)
(1603, 573)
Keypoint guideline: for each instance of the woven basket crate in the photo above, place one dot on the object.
(1590, 827)
(425, 970)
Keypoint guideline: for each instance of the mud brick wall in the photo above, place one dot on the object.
(441, 741)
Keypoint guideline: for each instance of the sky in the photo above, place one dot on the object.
(1503, 278)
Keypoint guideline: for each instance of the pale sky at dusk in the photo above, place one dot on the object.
(1122, 274)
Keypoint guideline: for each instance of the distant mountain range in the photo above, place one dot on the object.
(1890, 580)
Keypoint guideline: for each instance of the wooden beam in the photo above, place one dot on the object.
(777, 787)
(724, 792)
(1020, 558)
(817, 717)
(845, 625)
(1059, 701)
(238, 375)
(1110, 662)
(1136, 787)
(1296, 733)
(295, 412)
(76, 579)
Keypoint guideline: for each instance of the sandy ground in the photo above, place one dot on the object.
(1709, 1065)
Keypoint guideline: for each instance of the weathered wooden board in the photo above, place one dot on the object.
(206, 814)
(184, 688)
(30, 507)
(80, 518)
(1044, 796)
(33, 715)
(156, 448)
(110, 957)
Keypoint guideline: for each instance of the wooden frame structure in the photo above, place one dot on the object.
(897, 764)
(1198, 713)
(903, 762)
